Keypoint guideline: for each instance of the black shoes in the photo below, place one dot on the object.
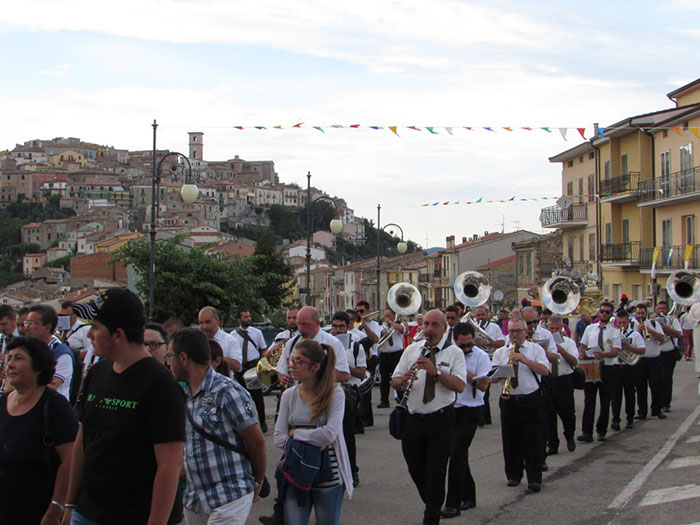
(383, 405)
(667, 408)
(659, 414)
(450, 512)
(275, 519)
(570, 444)
(630, 424)
(512, 482)
(552, 451)
(355, 479)
(544, 467)
(263, 427)
(615, 426)
(466, 505)
(640, 416)
(601, 437)
(586, 438)
(534, 487)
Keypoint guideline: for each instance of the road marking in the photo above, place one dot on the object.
(693, 439)
(691, 461)
(667, 495)
(633, 486)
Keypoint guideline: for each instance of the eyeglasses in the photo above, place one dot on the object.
(466, 345)
(516, 330)
(168, 357)
(30, 323)
(605, 312)
(360, 311)
(534, 321)
(298, 361)
(339, 326)
(154, 345)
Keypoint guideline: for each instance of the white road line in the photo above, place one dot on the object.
(690, 461)
(693, 439)
(670, 494)
(633, 486)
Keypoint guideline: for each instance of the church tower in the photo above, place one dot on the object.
(196, 145)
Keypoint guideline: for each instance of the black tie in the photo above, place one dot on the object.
(449, 336)
(429, 389)
(245, 351)
(514, 379)
(600, 338)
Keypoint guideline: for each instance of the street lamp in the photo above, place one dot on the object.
(336, 226)
(401, 247)
(189, 193)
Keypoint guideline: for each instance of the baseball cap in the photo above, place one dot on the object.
(115, 308)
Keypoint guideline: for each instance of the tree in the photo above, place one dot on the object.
(285, 222)
(276, 275)
(187, 280)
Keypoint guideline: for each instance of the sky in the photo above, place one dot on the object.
(103, 71)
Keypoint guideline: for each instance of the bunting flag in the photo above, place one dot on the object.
(695, 132)
(393, 128)
(319, 128)
(563, 132)
(687, 255)
(654, 259)
(432, 131)
(582, 132)
(670, 256)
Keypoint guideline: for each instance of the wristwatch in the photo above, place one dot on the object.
(438, 373)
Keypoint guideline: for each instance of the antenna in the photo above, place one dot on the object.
(517, 224)
(427, 240)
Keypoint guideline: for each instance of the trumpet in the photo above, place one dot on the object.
(507, 386)
(479, 332)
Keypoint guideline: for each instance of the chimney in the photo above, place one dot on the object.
(464, 239)
(596, 131)
(450, 241)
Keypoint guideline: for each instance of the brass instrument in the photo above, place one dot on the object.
(403, 299)
(479, 332)
(683, 287)
(371, 316)
(472, 289)
(627, 356)
(505, 393)
(266, 368)
(645, 331)
(560, 294)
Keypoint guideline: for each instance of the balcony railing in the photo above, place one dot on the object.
(668, 186)
(624, 252)
(625, 183)
(674, 262)
(554, 215)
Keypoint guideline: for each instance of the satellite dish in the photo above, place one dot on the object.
(498, 296)
(565, 202)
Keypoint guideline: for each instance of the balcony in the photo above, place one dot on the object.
(681, 186)
(575, 216)
(621, 254)
(620, 189)
(666, 264)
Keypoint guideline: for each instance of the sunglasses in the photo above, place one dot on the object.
(298, 361)
(605, 312)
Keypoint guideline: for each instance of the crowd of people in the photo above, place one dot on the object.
(106, 418)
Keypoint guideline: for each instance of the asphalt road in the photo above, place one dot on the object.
(648, 474)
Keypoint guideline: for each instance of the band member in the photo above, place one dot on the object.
(600, 341)
(210, 323)
(521, 408)
(435, 369)
(482, 317)
(252, 346)
(633, 342)
(672, 331)
(649, 373)
(416, 332)
(461, 489)
(562, 389)
(367, 333)
(389, 355)
(452, 314)
(544, 317)
(357, 363)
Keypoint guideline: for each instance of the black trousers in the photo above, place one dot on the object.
(547, 406)
(649, 377)
(366, 414)
(486, 412)
(460, 483)
(521, 432)
(387, 364)
(668, 366)
(426, 449)
(603, 390)
(626, 385)
(562, 405)
(349, 426)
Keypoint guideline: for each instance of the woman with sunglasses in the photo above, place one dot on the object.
(312, 412)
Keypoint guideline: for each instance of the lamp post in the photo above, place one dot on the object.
(188, 192)
(336, 226)
(401, 247)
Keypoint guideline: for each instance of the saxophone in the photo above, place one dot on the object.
(505, 393)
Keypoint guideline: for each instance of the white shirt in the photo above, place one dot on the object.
(686, 322)
(669, 343)
(569, 346)
(611, 339)
(652, 345)
(360, 362)
(394, 343)
(528, 381)
(228, 344)
(478, 363)
(450, 360)
(637, 339)
(341, 360)
(77, 337)
(64, 370)
(493, 331)
(286, 335)
(254, 349)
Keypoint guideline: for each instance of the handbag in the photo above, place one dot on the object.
(579, 378)
(52, 458)
(265, 488)
(397, 422)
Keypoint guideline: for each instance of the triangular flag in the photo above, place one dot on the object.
(277, 127)
(435, 203)
(260, 127)
(449, 130)
(297, 125)
(432, 131)
(512, 198)
(676, 129)
(563, 132)
(695, 132)
(319, 128)
(413, 127)
(547, 130)
(488, 129)
(508, 129)
(336, 126)
(528, 129)
(445, 203)
(601, 131)
(238, 127)
(426, 204)
(376, 127)
(582, 132)
(480, 198)
(393, 129)
(355, 126)
(670, 254)
(467, 127)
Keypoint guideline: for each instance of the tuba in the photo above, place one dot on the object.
(683, 287)
(561, 295)
(403, 299)
(472, 289)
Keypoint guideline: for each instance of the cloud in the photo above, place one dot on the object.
(61, 70)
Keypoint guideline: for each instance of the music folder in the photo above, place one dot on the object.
(499, 372)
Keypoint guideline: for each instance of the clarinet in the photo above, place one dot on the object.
(425, 352)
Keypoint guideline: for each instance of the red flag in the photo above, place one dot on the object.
(413, 127)
(582, 132)
(297, 125)
(354, 125)
(238, 127)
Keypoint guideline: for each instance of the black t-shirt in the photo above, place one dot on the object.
(123, 416)
(26, 475)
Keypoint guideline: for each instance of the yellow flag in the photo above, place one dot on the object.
(655, 257)
(393, 128)
(688, 252)
(695, 132)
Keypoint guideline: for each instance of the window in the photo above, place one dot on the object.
(607, 170)
(687, 179)
(581, 256)
(666, 233)
(521, 268)
(591, 156)
(591, 188)
(591, 247)
(625, 230)
(608, 233)
(580, 159)
(570, 188)
(665, 173)
(624, 170)
(570, 164)
(688, 229)
(570, 248)
(636, 292)
(665, 133)
(529, 264)
(580, 189)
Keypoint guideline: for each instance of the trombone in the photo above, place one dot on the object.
(403, 299)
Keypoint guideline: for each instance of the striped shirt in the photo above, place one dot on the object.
(217, 475)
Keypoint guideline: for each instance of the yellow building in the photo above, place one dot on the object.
(69, 159)
(642, 191)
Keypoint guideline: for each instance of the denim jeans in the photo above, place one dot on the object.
(327, 504)
(78, 519)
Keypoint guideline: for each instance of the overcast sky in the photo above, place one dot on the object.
(102, 71)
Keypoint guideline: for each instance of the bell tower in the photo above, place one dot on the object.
(196, 145)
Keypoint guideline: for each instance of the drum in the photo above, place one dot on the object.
(367, 383)
(252, 382)
(592, 370)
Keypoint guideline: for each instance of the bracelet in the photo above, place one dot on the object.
(258, 485)
(57, 504)
(68, 505)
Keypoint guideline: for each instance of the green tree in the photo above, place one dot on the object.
(285, 222)
(275, 274)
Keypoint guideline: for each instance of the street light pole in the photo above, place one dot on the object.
(379, 257)
(308, 239)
